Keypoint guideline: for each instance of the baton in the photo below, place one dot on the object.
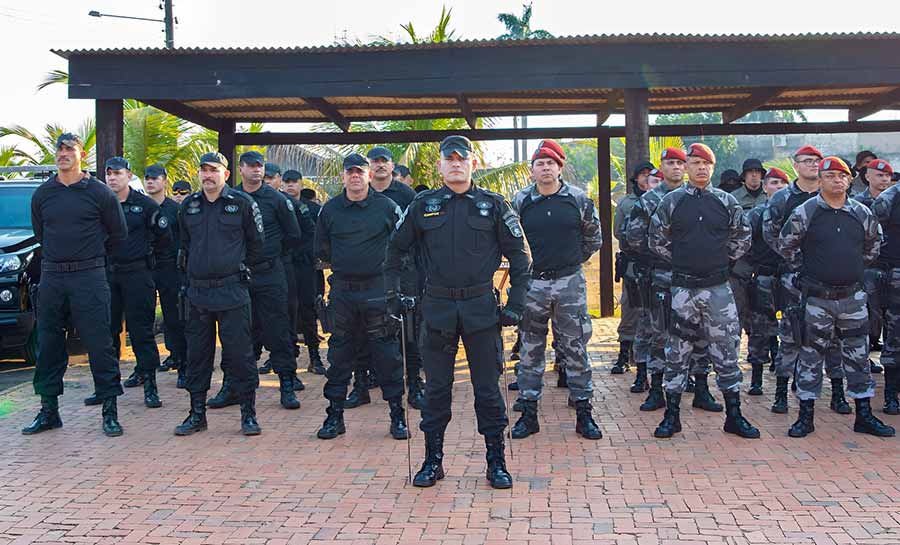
(506, 392)
(403, 381)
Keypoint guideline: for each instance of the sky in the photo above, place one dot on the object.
(29, 30)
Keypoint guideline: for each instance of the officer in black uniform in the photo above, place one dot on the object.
(309, 198)
(268, 281)
(461, 231)
(130, 267)
(165, 276)
(304, 262)
(76, 218)
(221, 230)
(352, 234)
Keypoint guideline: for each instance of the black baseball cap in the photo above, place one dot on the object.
(154, 171)
(116, 163)
(380, 152)
(355, 160)
(181, 184)
(646, 165)
(272, 169)
(214, 158)
(291, 174)
(69, 139)
(252, 156)
(456, 144)
(402, 170)
(729, 175)
(753, 164)
(308, 193)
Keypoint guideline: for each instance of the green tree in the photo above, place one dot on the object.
(519, 28)
(45, 143)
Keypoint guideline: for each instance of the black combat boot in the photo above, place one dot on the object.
(358, 396)
(584, 421)
(891, 381)
(513, 386)
(671, 422)
(876, 346)
(866, 422)
(756, 380)
(562, 381)
(416, 393)
(196, 419)
(249, 425)
(296, 383)
(334, 422)
(92, 400)
(640, 379)
(655, 399)
(496, 462)
(286, 389)
(703, 399)
(399, 430)
(433, 467)
(875, 367)
(151, 392)
(773, 352)
(181, 380)
(226, 396)
(838, 401)
(734, 421)
(622, 360)
(134, 380)
(48, 417)
(781, 395)
(316, 366)
(110, 412)
(805, 421)
(519, 405)
(265, 368)
(528, 422)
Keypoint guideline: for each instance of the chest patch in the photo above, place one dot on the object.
(193, 210)
(484, 205)
(136, 209)
(232, 208)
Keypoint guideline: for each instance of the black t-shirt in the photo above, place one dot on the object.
(833, 248)
(552, 225)
(890, 248)
(169, 209)
(148, 230)
(279, 221)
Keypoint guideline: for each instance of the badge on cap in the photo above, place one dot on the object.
(826, 165)
(880, 165)
(664, 153)
(231, 208)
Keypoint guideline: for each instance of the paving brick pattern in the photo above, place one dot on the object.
(287, 488)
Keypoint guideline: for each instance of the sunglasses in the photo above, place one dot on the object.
(182, 192)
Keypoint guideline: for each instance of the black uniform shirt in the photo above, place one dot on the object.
(307, 225)
(400, 193)
(352, 235)
(148, 230)
(279, 221)
(77, 222)
(761, 254)
(169, 209)
(305, 253)
(833, 248)
(552, 224)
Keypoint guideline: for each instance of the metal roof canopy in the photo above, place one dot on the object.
(635, 74)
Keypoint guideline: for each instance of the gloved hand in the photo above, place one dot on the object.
(393, 303)
(509, 317)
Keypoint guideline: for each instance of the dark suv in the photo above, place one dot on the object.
(20, 268)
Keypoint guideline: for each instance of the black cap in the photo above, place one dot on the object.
(401, 170)
(154, 171)
(753, 164)
(380, 152)
(729, 175)
(117, 163)
(252, 156)
(214, 158)
(291, 174)
(861, 156)
(181, 184)
(641, 166)
(308, 193)
(457, 144)
(272, 169)
(69, 139)
(355, 160)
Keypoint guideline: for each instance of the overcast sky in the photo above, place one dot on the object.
(31, 29)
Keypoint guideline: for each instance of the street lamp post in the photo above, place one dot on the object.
(168, 20)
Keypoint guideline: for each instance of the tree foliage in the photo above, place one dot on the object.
(519, 28)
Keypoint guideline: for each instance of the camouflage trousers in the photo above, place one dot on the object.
(564, 301)
(741, 289)
(790, 348)
(705, 317)
(872, 282)
(630, 315)
(842, 323)
(890, 354)
(762, 319)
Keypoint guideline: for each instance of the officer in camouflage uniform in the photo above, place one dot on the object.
(830, 239)
(698, 229)
(558, 287)
(654, 278)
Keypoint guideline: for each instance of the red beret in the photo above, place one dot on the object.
(808, 150)
(775, 172)
(834, 163)
(674, 153)
(701, 150)
(881, 165)
(655, 173)
(549, 148)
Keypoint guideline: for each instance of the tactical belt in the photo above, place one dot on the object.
(263, 266)
(361, 284)
(558, 273)
(458, 293)
(825, 291)
(683, 280)
(73, 266)
(215, 282)
(128, 266)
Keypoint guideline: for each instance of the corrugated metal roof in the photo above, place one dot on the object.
(565, 40)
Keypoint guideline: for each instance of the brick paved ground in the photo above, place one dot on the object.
(285, 487)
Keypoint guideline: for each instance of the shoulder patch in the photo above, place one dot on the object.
(290, 205)
(512, 223)
(163, 222)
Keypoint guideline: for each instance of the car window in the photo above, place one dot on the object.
(15, 207)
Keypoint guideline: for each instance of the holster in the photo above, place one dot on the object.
(621, 264)
(798, 318)
(181, 261)
(245, 274)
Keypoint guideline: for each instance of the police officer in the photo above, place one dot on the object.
(780, 205)
(558, 289)
(860, 182)
(268, 281)
(76, 218)
(699, 229)
(461, 231)
(165, 276)
(888, 213)
(352, 234)
(830, 239)
(305, 269)
(221, 230)
(180, 191)
(751, 193)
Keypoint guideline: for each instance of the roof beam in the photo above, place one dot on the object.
(877, 104)
(757, 98)
(328, 110)
(467, 111)
(185, 112)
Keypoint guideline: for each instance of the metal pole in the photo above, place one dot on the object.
(170, 25)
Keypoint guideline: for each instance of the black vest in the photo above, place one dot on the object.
(700, 235)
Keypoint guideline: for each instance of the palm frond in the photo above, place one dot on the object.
(53, 77)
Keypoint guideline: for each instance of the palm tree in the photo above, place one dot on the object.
(519, 28)
(45, 143)
(53, 77)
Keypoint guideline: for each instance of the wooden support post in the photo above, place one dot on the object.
(637, 129)
(226, 147)
(109, 132)
(604, 198)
